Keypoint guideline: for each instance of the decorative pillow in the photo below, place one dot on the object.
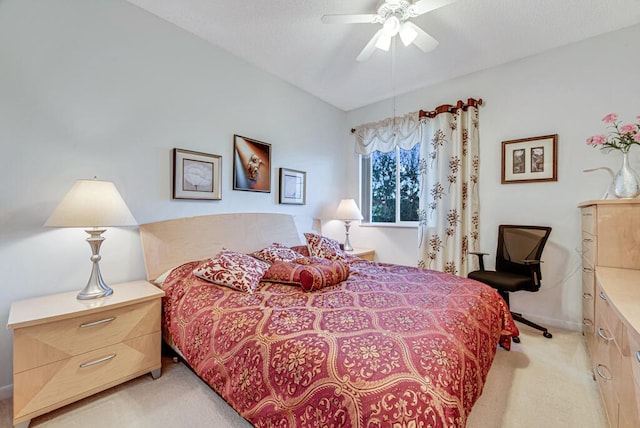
(309, 274)
(234, 270)
(276, 253)
(302, 249)
(312, 261)
(321, 246)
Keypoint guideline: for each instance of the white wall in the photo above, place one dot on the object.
(566, 91)
(102, 88)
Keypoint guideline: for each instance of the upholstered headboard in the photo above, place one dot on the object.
(167, 244)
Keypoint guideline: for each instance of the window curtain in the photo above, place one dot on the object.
(449, 213)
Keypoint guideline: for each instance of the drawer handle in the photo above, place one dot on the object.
(98, 361)
(587, 322)
(600, 373)
(603, 296)
(94, 323)
(587, 296)
(587, 214)
(587, 270)
(587, 240)
(602, 334)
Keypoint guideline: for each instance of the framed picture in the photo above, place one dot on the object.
(251, 165)
(196, 175)
(293, 186)
(530, 159)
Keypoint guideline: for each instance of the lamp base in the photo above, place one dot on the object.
(95, 287)
(347, 244)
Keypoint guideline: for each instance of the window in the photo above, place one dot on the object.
(390, 186)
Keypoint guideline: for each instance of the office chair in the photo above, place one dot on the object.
(517, 265)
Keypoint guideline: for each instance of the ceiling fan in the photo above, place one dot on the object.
(394, 16)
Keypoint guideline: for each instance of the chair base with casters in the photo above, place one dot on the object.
(517, 265)
(518, 317)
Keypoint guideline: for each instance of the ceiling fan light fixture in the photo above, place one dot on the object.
(407, 34)
(391, 26)
(383, 42)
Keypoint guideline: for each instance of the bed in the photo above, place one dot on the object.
(389, 346)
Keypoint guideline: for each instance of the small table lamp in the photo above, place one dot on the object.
(94, 205)
(348, 211)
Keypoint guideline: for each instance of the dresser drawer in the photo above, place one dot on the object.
(53, 385)
(606, 370)
(589, 219)
(608, 323)
(634, 354)
(628, 388)
(55, 341)
(589, 250)
(588, 297)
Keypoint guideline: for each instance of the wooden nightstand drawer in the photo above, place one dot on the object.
(62, 382)
(45, 343)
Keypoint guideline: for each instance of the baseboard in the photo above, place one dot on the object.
(6, 392)
(550, 323)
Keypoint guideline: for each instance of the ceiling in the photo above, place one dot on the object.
(287, 39)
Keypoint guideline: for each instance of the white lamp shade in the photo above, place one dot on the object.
(348, 210)
(92, 203)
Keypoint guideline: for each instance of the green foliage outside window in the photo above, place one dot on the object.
(388, 183)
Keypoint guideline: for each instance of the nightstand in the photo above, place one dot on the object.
(65, 349)
(363, 253)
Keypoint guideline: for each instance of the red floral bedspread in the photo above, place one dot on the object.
(393, 346)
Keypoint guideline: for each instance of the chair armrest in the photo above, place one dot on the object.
(480, 257)
(533, 265)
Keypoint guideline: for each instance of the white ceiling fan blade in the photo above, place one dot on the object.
(424, 6)
(369, 48)
(349, 19)
(425, 42)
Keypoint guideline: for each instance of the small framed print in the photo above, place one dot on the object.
(196, 175)
(293, 186)
(251, 165)
(530, 159)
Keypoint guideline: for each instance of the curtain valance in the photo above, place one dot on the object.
(403, 131)
(385, 135)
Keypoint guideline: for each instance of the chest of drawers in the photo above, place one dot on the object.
(65, 349)
(616, 359)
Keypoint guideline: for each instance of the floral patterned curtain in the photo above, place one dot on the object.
(449, 160)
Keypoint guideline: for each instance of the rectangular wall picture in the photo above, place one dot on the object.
(530, 159)
(196, 175)
(251, 165)
(293, 186)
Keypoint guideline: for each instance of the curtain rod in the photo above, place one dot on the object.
(446, 108)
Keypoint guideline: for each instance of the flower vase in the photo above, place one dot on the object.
(626, 184)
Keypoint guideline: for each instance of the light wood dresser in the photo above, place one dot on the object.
(611, 303)
(66, 349)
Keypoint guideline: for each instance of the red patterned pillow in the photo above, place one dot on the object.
(312, 261)
(234, 270)
(302, 249)
(321, 246)
(310, 276)
(276, 253)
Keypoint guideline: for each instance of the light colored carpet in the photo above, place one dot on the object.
(539, 383)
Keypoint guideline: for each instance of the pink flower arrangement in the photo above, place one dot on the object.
(622, 137)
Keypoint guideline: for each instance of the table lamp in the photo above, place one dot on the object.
(348, 211)
(94, 205)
